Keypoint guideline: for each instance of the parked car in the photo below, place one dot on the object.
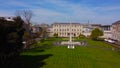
(111, 41)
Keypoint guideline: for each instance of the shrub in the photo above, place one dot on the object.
(42, 40)
(96, 33)
(81, 36)
(55, 35)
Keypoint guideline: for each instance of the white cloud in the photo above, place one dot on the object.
(108, 8)
(46, 12)
(61, 10)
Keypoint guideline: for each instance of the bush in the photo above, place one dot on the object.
(42, 40)
(55, 35)
(81, 36)
(98, 39)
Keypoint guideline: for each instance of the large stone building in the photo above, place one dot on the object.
(116, 30)
(64, 29)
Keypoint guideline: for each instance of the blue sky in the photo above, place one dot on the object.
(78, 11)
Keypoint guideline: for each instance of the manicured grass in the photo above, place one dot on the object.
(96, 55)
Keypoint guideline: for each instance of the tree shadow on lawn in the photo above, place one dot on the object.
(38, 49)
(34, 50)
(46, 46)
(27, 61)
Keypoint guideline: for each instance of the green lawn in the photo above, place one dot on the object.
(96, 55)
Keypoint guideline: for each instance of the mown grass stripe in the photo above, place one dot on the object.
(95, 55)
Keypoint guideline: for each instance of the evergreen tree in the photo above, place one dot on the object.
(11, 33)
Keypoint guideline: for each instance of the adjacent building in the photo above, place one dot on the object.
(106, 31)
(43, 28)
(50, 31)
(116, 30)
(87, 28)
(96, 26)
(36, 28)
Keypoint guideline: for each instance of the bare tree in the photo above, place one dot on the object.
(25, 14)
(18, 13)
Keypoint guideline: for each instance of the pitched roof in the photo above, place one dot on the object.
(67, 23)
(117, 22)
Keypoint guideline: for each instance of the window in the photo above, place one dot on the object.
(68, 34)
(74, 29)
(59, 25)
(62, 29)
(67, 29)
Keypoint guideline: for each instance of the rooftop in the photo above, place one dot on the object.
(117, 22)
(67, 23)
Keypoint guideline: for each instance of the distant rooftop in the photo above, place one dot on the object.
(96, 24)
(117, 22)
(8, 18)
(67, 23)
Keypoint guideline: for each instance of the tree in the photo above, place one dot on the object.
(11, 33)
(43, 32)
(25, 14)
(96, 33)
(55, 35)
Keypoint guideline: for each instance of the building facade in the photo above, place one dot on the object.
(36, 28)
(64, 29)
(96, 26)
(106, 31)
(87, 28)
(76, 29)
(116, 30)
(50, 31)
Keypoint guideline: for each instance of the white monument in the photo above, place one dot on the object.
(70, 45)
